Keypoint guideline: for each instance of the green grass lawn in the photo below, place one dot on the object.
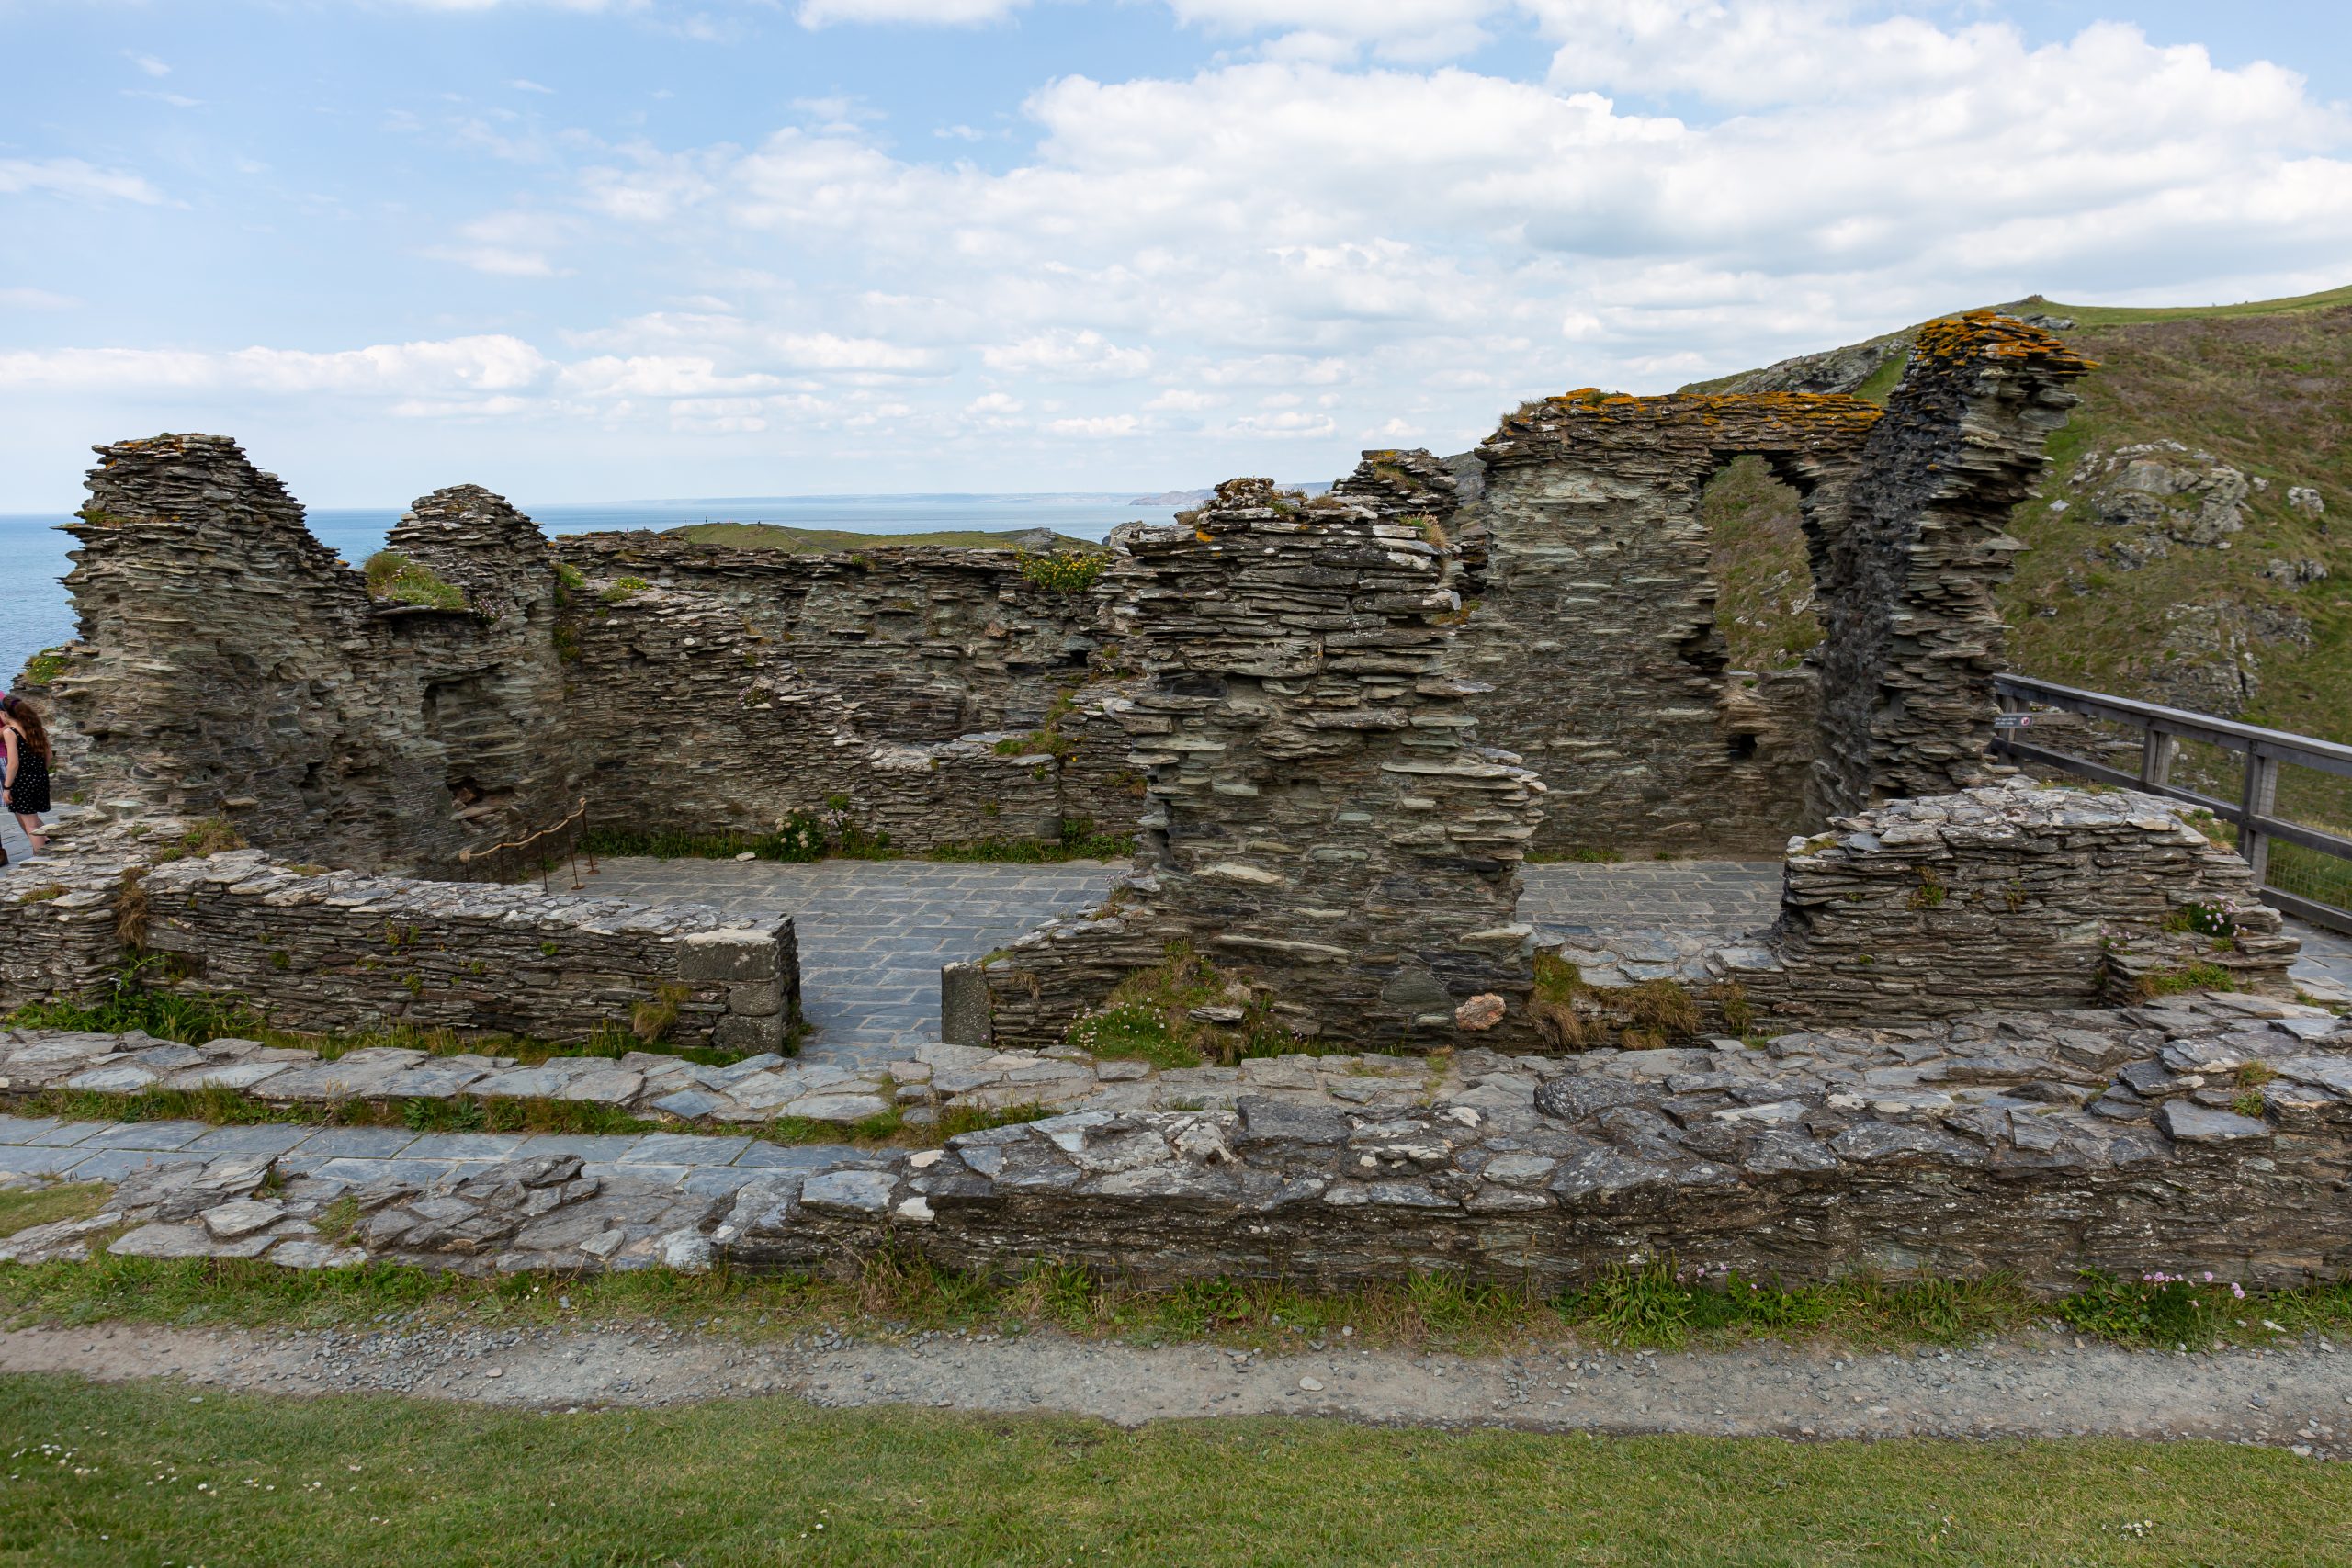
(149, 1474)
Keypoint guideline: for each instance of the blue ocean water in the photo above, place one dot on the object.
(36, 613)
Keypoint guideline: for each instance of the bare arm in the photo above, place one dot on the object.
(9, 737)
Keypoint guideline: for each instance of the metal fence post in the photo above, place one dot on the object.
(2261, 798)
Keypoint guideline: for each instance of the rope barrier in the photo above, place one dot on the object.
(533, 854)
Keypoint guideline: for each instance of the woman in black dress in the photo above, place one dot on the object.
(27, 741)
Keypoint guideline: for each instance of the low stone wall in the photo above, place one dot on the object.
(341, 950)
(2015, 899)
(57, 928)
(2213, 1134)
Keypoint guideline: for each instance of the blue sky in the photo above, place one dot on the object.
(596, 249)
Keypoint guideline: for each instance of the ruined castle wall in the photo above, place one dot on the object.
(344, 951)
(925, 642)
(879, 687)
(1595, 621)
(2005, 898)
(690, 719)
(230, 666)
(1318, 815)
(1913, 637)
(57, 928)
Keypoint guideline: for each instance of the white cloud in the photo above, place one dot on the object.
(1096, 428)
(1399, 29)
(524, 84)
(1183, 400)
(73, 177)
(1288, 426)
(1084, 355)
(1389, 254)
(492, 364)
(147, 63)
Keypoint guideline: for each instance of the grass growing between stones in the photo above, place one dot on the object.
(194, 1018)
(395, 578)
(29, 1206)
(1150, 1016)
(1634, 1308)
(227, 1108)
(106, 1475)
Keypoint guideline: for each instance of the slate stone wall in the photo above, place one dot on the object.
(698, 724)
(344, 951)
(2013, 898)
(1318, 817)
(1596, 602)
(228, 665)
(1912, 634)
(2038, 1143)
(1597, 622)
(929, 642)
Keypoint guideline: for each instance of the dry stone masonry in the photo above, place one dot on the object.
(2015, 899)
(1597, 625)
(229, 665)
(1318, 816)
(1914, 637)
(2208, 1132)
(338, 951)
(1597, 622)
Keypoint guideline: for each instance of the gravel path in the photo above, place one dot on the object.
(2298, 1396)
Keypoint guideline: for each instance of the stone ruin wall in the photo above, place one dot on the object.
(2006, 899)
(742, 685)
(2036, 1143)
(1318, 816)
(340, 950)
(1912, 636)
(228, 665)
(1597, 625)
(1597, 616)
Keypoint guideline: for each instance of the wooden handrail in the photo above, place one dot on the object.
(2254, 812)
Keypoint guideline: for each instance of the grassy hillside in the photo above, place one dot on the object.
(2181, 549)
(837, 541)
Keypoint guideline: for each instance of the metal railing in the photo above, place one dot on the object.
(534, 854)
(2259, 752)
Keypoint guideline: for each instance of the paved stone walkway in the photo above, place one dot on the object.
(874, 933)
(109, 1151)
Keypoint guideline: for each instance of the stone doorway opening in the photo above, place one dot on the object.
(1766, 598)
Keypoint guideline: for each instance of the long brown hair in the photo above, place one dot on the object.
(27, 720)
